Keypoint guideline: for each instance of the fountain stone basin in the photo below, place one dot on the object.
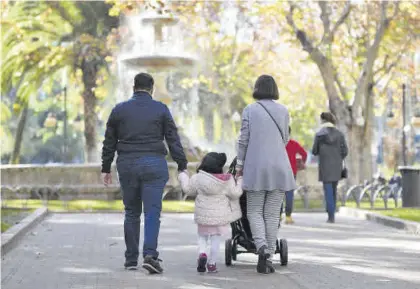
(83, 181)
(158, 61)
(160, 20)
(70, 182)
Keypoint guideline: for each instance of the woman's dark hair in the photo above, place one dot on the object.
(213, 163)
(265, 88)
(328, 117)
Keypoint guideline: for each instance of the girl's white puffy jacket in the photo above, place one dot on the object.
(217, 201)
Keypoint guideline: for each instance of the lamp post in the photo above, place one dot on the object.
(65, 147)
(404, 138)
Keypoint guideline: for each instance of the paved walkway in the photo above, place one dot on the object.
(86, 251)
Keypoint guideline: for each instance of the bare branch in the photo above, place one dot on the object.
(396, 10)
(325, 17)
(289, 16)
(387, 68)
(328, 36)
(300, 34)
(384, 65)
(343, 17)
(388, 81)
(337, 105)
(343, 90)
(372, 53)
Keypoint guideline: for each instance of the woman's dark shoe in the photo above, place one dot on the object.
(263, 256)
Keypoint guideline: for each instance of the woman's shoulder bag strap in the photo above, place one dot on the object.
(281, 133)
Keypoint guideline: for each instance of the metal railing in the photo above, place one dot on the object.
(371, 191)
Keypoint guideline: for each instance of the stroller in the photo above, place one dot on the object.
(242, 236)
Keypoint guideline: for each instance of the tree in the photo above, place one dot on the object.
(238, 47)
(351, 58)
(41, 38)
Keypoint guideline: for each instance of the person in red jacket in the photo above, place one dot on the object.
(293, 149)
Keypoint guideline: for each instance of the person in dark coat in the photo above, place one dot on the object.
(137, 129)
(331, 148)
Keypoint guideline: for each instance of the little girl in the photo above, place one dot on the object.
(216, 205)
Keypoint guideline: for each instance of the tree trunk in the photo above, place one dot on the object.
(19, 135)
(357, 122)
(360, 159)
(208, 116)
(359, 138)
(90, 71)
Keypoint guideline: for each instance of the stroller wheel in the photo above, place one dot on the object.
(234, 251)
(284, 256)
(228, 252)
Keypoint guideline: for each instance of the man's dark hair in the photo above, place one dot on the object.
(266, 88)
(328, 117)
(143, 81)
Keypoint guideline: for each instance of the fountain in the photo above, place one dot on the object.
(160, 57)
(155, 46)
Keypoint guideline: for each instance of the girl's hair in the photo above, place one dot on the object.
(328, 117)
(213, 163)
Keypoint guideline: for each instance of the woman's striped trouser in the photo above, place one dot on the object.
(264, 216)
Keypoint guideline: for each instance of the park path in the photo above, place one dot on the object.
(86, 251)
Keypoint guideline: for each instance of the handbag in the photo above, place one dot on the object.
(344, 171)
(281, 133)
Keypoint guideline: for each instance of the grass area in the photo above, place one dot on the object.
(5, 226)
(410, 214)
(186, 207)
(313, 204)
(117, 205)
(318, 204)
(379, 204)
(97, 205)
(9, 217)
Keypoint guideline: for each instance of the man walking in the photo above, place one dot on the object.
(136, 129)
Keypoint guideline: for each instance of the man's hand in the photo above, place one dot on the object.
(107, 179)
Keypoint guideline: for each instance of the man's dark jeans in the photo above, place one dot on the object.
(142, 181)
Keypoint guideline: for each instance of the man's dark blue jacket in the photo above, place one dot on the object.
(138, 127)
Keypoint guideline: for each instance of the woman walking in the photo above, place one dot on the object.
(331, 148)
(262, 160)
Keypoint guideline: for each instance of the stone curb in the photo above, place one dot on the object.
(12, 236)
(409, 226)
(315, 210)
(107, 212)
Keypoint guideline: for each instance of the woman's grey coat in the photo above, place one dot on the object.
(261, 149)
(331, 148)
